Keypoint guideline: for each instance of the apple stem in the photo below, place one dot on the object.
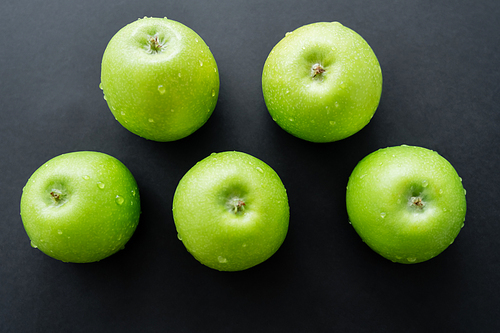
(155, 45)
(317, 69)
(417, 201)
(238, 207)
(56, 195)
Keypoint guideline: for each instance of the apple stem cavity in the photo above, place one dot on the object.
(154, 44)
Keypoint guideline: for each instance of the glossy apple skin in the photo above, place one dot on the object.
(384, 208)
(96, 215)
(332, 105)
(208, 226)
(162, 96)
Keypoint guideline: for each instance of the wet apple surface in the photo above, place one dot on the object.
(407, 203)
(231, 211)
(160, 79)
(80, 207)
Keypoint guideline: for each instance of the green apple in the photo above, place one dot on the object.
(160, 79)
(322, 82)
(407, 203)
(80, 207)
(231, 211)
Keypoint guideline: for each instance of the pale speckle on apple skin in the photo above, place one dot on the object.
(222, 260)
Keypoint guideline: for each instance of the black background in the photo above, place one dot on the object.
(440, 63)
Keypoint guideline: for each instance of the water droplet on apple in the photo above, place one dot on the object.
(86, 177)
(196, 40)
(179, 237)
(104, 96)
(101, 185)
(119, 199)
(411, 259)
(332, 122)
(288, 34)
(336, 104)
(383, 214)
(221, 259)
(425, 183)
(161, 89)
(441, 191)
(215, 70)
(243, 245)
(444, 209)
(100, 85)
(201, 63)
(133, 193)
(213, 92)
(465, 192)
(172, 110)
(33, 245)
(291, 119)
(151, 120)
(122, 113)
(59, 232)
(362, 176)
(259, 170)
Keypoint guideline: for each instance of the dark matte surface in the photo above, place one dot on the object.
(440, 62)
